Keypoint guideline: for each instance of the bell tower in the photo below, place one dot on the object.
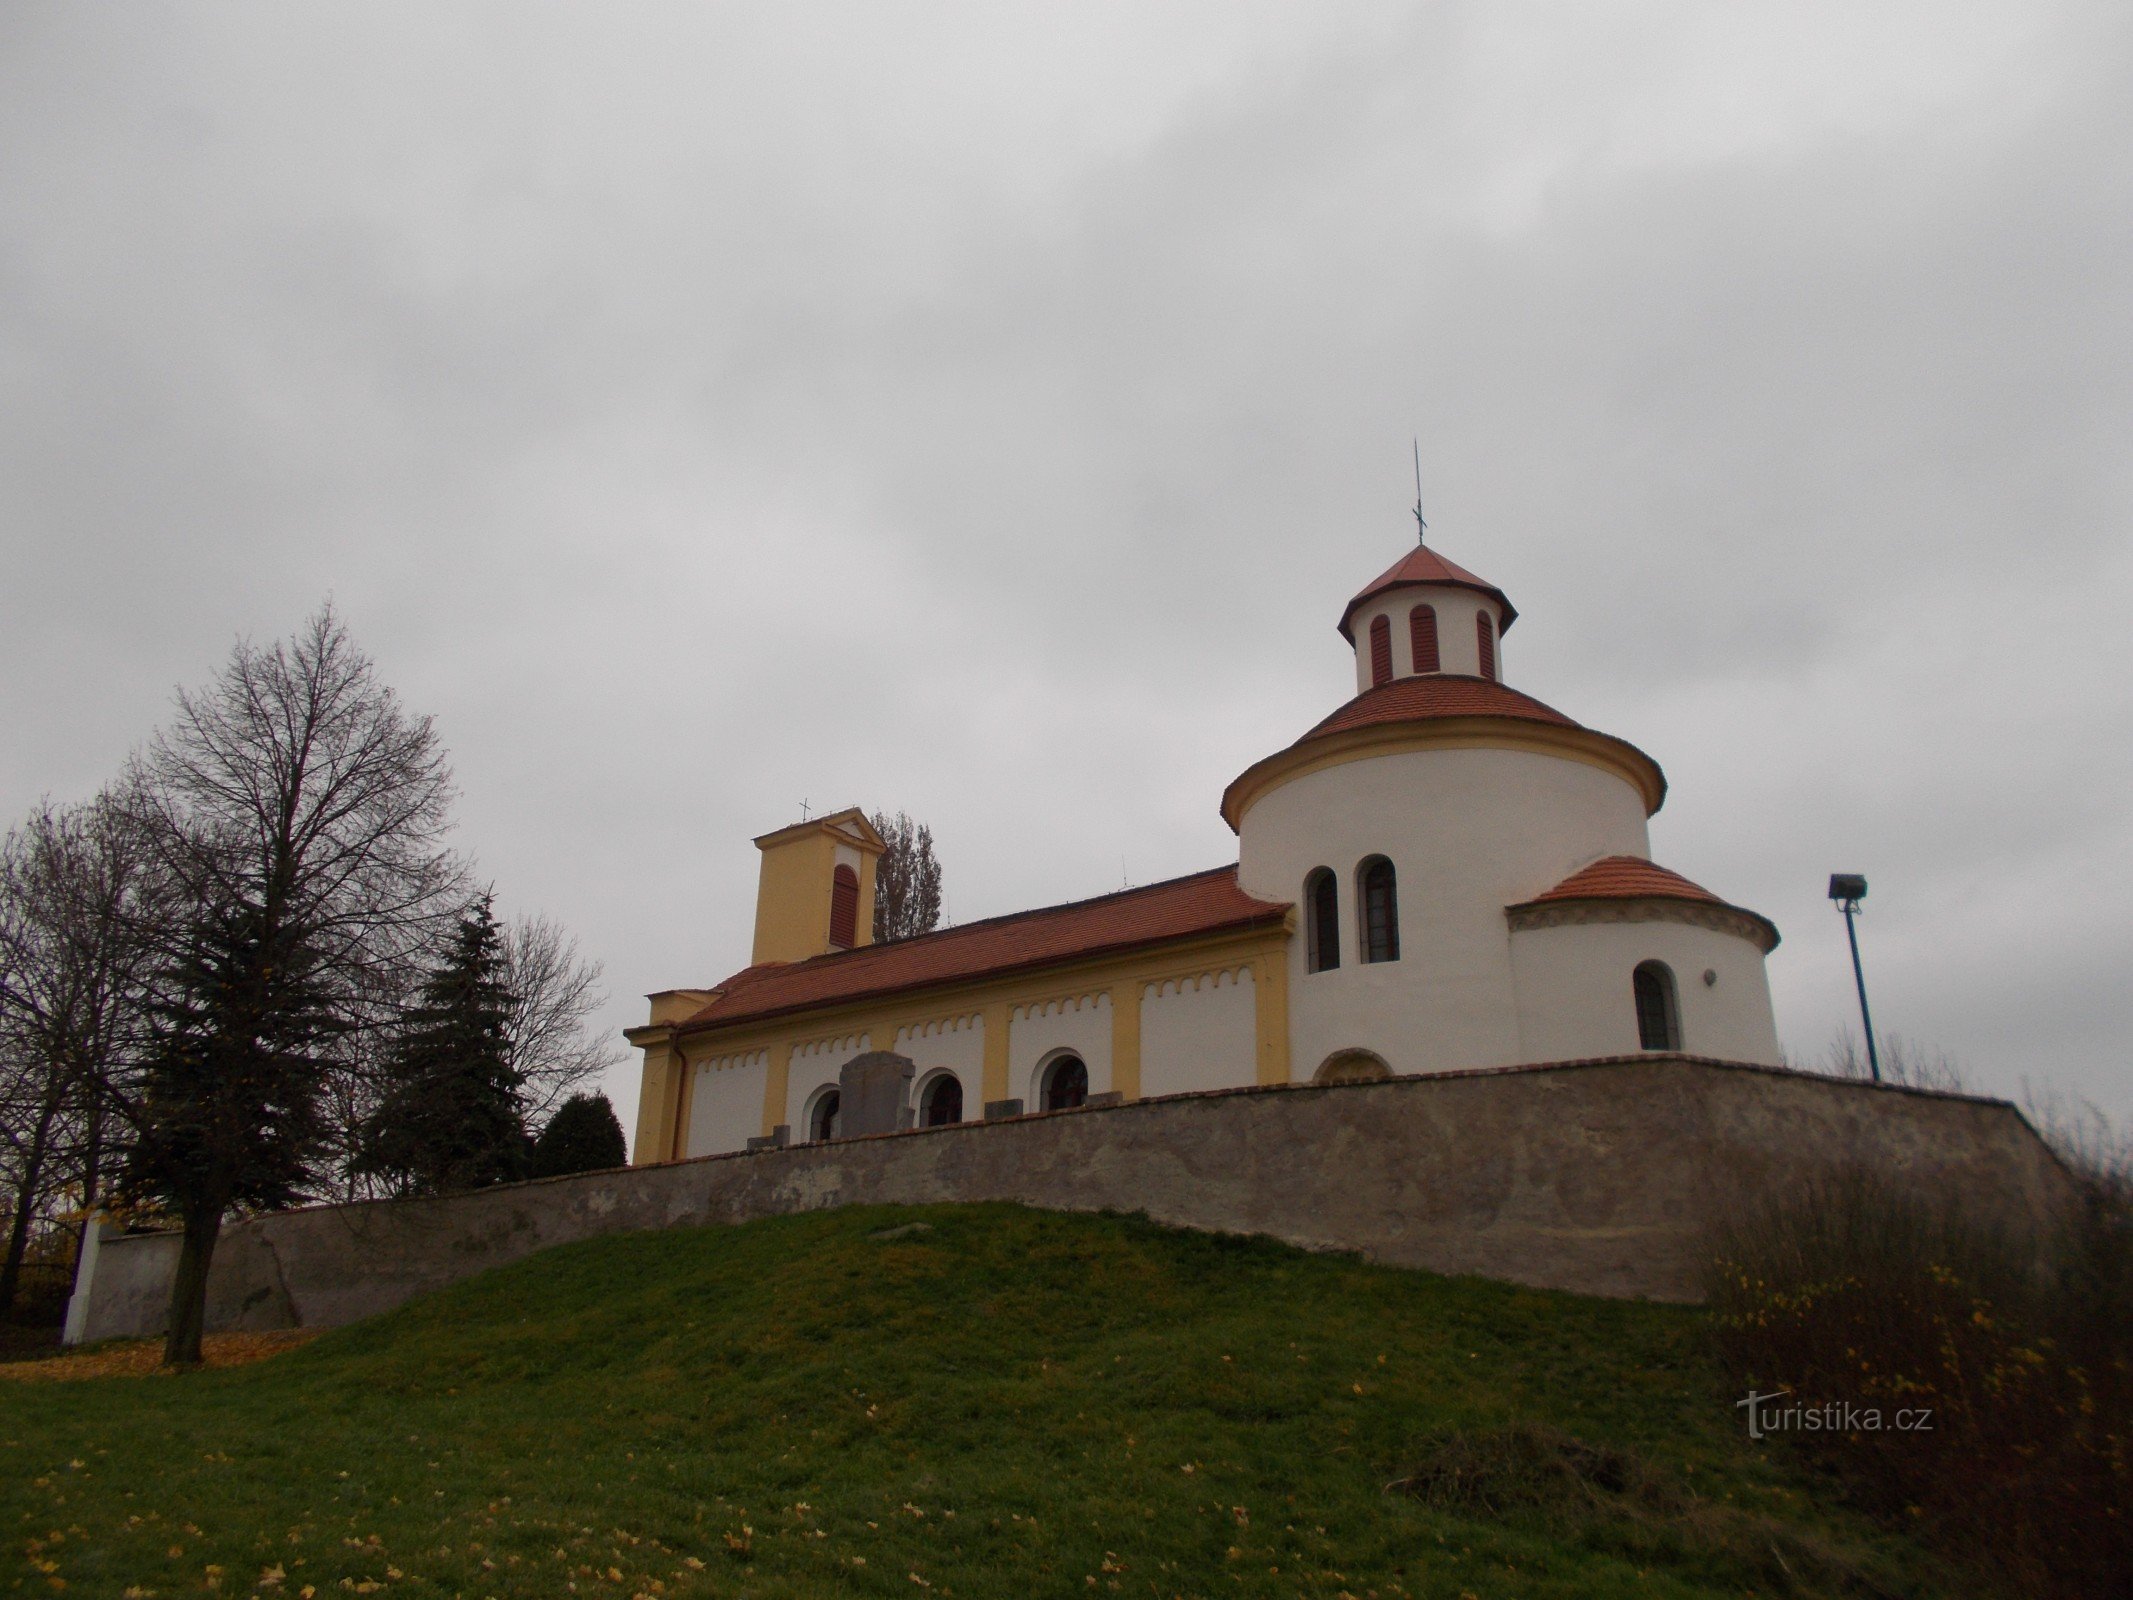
(815, 893)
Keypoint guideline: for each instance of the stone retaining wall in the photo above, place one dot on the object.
(1596, 1177)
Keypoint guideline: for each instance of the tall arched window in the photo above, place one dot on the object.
(1485, 641)
(1379, 909)
(1322, 921)
(1658, 1013)
(942, 1102)
(1066, 1084)
(1422, 638)
(844, 908)
(1380, 651)
(822, 1120)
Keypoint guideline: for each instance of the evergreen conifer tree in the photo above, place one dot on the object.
(230, 1113)
(584, 1135)
(451, 1116)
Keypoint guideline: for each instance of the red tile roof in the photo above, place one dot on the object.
(1424, 565)
(1625, 878)
(1634, 878)
(1206, 902)
(1436, 694)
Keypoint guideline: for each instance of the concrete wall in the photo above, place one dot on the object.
(1595, 1177)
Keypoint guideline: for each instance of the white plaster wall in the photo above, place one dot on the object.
(1574, 996)
(1081, 1024)
(1199, 1033)
(952, 1044)
(1468, 832)
(726, 1103)
(814, 1064)
(1457, 648)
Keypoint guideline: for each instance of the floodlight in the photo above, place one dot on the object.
(1848, 889)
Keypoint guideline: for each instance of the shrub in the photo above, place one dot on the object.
(1861, 1291)
(584, 1135)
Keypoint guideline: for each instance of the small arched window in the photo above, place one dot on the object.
(942, 1102)
(822, 1120)
(1380, 909)
(1422, 638)
(1485, 643)
(1322, 921)
(1380, 651)
(1066, 1084)
(844, 908)
(1658, 1012)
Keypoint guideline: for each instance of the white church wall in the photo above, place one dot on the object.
(726, 1103)
(1468, 832)
(1080, 1023)
(1199, 1033)
(1575, 999)
(813, 1066)
(1458, 646)
(952, 1044)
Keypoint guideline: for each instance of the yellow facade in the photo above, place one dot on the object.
(662, 1117)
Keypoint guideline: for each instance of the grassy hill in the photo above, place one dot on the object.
(962, 1401)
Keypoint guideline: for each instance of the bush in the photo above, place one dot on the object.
(1859, 1291)
(584, 1135)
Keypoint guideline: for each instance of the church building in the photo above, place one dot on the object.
(1443, 875)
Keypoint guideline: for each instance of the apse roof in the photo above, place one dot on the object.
(1205, 902)
(1634, 878)
(1423, 565)
(1625, 878)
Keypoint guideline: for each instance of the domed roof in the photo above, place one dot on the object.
(1444, 709)
(1423, 565)
(1435, 694)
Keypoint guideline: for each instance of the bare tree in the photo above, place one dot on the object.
(299, 813)
(554, 994)
(907, 879)
(71, 890)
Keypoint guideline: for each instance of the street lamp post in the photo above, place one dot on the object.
(1848, 889)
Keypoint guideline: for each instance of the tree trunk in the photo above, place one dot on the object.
(18, 1236)
(188, 1289)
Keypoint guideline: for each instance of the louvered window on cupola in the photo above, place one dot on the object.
(1422, 638)
(1380, 651)
(1322, 921)
(1485, 639)
(844, 908)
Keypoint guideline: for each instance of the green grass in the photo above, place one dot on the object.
(1001, 1403)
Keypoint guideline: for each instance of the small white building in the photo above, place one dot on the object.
(1443, 875)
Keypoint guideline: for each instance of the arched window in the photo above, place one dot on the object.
(1380, 651)
(1352, 1066)
(844, 908)
(1422, 638)
(1066, 1084)
(1322, 921)
(1658, 1014)
(1485, 640)
(822, 1119)
(941, 1102)
(1380, 910)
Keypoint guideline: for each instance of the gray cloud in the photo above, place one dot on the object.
(986, 412)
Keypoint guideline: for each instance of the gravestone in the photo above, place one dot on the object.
(874, 1094)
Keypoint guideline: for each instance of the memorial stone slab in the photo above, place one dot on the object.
(874, 1094)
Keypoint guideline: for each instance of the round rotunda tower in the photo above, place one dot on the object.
(1472, 868)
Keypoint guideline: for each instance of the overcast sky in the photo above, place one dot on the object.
(984, 411)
